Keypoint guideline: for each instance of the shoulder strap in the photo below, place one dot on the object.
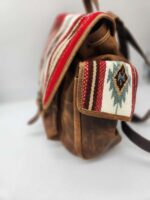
(88, 5)
(137, 139)
(126, 37)
(138, 119)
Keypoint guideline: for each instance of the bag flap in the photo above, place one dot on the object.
(67, 36)
(107, 89)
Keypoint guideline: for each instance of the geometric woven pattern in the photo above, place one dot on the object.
(65, 39)
(107, 89)
(121, 79)
(120, 82)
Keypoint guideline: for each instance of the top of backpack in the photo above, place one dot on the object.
(66, 37)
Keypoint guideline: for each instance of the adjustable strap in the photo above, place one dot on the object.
(134, 136)
(124, 49)
(137, 139)
(34, 118)
(138, 119)
(88, 5)
(39, 111)
(125, 36)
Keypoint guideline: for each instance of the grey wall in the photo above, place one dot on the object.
(24, 26)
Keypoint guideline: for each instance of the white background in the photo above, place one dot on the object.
(24, 26)
(33, 168)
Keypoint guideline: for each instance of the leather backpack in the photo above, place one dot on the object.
(87, 83)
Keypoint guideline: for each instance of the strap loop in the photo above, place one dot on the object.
(88, 5)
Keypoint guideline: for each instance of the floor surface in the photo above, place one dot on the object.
(33, 168)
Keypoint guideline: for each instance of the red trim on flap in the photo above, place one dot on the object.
(134, 87)
(85, 22)
(55, 28)
(99, 95)
(57, 46)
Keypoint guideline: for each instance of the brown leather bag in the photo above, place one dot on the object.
(87, 83)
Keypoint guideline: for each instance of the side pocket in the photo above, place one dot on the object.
(98, 133)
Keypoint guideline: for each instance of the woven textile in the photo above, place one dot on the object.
(65, 39)
(107, 88)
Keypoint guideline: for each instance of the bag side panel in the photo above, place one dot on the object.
(50, 121)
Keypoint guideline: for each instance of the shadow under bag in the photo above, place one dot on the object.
(87, 85)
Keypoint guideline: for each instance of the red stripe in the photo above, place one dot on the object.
(134, 87)
(84, 83)
(57, 46)
(85, 22)
(99, 95)
(58, 23)
(55, 28)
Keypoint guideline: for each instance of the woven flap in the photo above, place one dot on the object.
(107, 89)
(67, 36)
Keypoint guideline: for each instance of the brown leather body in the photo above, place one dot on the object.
(85, 136)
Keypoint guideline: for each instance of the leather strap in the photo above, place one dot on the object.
(137, 139)
(88, 5)
(138, 119)
(39, 111)
(34, 118)
(122, 38)
(125, 36)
